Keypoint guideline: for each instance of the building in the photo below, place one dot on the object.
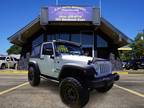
(74, 23)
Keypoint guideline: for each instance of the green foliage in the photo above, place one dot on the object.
(14, 49)
(125, 55)
(138, 46)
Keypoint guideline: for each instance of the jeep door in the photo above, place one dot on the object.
(46, 62)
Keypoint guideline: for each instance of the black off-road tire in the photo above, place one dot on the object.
(73, 93)
(3, 66)
(105, 88)
(127, 68)
(134, 68)
(33, 76)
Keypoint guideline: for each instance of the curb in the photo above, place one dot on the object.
(13, 72)
(126, 73)
(121, 72)
(21, 72)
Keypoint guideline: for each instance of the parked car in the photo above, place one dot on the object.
(77, 74)
(135, 64)
(124, 64)
(140, 63)
(7, 62)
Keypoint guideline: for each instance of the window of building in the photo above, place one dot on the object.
(75, 38)
(50, 37)
(87, 39)
(101, 42)
(36, 51)
(36, 46)
(65, 36)
(38, 40)
(62, 36)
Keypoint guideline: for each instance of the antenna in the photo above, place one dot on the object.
(100, 5)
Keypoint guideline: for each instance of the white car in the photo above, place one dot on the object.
(77, 74)
(7, 62)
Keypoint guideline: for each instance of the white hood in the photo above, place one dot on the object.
(78, 59)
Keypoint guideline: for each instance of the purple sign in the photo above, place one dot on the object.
(69, 13)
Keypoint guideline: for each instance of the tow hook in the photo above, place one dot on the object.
(116, 77)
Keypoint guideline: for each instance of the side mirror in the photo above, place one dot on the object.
(52, 56)
(48, 51)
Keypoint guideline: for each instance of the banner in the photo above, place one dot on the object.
(69, 13)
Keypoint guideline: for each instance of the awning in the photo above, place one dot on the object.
(124, 49)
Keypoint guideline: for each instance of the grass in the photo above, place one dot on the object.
(10, 71)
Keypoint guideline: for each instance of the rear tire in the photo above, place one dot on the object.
(33, 76)
(105, 88)
(73, 93)
(3, 66)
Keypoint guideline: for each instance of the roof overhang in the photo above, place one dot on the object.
(119, 38)
(20, 37)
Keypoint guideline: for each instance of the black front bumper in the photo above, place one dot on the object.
(102, 81)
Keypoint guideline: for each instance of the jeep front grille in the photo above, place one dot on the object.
(105, 68)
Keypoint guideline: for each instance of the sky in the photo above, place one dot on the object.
(126, 15)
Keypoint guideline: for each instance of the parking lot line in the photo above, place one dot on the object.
(14, 88)
(130, 91)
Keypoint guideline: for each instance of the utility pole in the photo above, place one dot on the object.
(57, 2)
(100, 6)
(142, 38)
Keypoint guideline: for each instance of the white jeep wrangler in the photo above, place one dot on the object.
(77, 74)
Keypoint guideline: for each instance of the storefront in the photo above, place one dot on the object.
(84, 25)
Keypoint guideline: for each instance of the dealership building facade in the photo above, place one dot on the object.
(72, 23)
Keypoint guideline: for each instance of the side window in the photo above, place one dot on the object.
(7, 59)
(2, 58)
(47, 49)
(11, 59)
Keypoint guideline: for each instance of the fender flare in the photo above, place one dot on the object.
(88, 71)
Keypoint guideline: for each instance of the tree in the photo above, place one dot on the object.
(14, 49)
(137, 49)
(125, 55)
(138, 45)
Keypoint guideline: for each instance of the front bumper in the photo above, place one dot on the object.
(102, 81)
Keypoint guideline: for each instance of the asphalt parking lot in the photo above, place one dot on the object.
(16, 93)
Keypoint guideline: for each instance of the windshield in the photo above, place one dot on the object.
(67, 48)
